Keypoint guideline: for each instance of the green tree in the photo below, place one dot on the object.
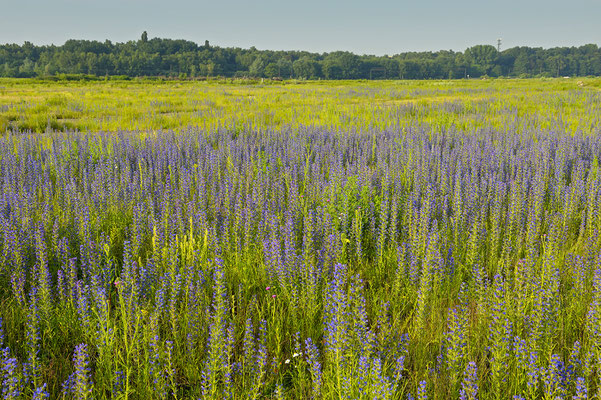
(305, 68)
(521, 66)
(285, 67)
(257, 68)
(346, 65)
(557, 62)
(482, 58)
(271, 70)
(410, 69)
(332, 69)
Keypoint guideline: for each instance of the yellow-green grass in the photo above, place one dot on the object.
(27, 104)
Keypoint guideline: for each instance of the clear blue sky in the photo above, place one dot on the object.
(364, 27)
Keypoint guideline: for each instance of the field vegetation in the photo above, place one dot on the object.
(300, 240)
(186, 59)
(467, 105)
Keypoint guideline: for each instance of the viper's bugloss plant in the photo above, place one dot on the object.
(449, 249)
(82, 384)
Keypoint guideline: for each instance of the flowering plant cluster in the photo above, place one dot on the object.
(415, 263)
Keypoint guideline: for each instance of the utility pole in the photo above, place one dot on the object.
(499, 45)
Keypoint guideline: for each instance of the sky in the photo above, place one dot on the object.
(364, 27)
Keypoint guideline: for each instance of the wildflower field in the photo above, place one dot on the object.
(300, 240)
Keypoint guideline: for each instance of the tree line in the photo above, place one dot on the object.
(187, 59)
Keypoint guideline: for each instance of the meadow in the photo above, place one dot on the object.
(300, 240)
(467, 105)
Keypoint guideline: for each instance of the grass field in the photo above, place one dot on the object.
(150, 105)
(300, 240)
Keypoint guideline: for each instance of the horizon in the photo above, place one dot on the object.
(225, 46)
(381, 28)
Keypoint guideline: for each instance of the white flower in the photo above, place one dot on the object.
(287, 361)
(295, 355)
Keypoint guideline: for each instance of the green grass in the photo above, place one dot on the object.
(34, 105)
(150, 200)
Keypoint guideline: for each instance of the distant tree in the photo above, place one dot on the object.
(343, 65)
(285, 68)
(8, 70)
(521, 65)
(332, 69)
(271, 70)
(156, 56)
(26, 69)
(482, 57)
(556, 63)
(504, 64)
(461, 66)
(49, 69)
(211, 69)
(305, 68)
(29, 50)
(410, 69)
(391, 66)
(257, 68)
(444, 64)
